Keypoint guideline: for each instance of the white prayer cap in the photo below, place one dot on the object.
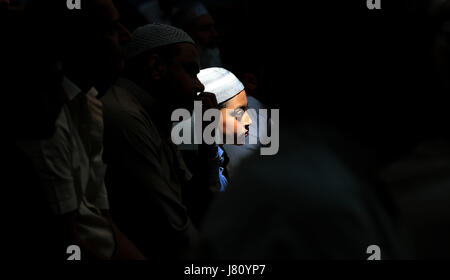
(151, 36)
(221, 82)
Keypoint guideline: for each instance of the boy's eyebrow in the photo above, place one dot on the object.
(243, 107)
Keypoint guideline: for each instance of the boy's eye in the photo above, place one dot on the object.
(238, 113)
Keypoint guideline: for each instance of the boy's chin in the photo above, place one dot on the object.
(235, 140)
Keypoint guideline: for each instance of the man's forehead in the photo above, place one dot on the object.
(189, 52)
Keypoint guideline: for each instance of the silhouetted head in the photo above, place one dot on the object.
(91, 39)
(31, 78)
(165, 61)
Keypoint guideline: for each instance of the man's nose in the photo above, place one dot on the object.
(199, 87)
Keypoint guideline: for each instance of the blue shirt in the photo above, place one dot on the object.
(223, 179)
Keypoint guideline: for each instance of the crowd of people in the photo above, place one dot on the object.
(89, 95)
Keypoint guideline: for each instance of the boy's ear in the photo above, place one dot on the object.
(156, 66)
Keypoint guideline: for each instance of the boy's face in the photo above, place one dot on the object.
(235, 120)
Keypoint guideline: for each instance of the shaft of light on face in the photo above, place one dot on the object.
(198, 126)
(219, 131)
(253, 128)
(229, 127)
(184, 126)
(208, 136)
(274, 139)
(240, 133)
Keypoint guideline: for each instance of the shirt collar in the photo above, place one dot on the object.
(73, 90)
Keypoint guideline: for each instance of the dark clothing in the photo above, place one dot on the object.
(29, 229)
(420, 183)
(306, 202)
(146, 175)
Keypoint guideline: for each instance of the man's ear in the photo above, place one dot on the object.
(156, 66)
